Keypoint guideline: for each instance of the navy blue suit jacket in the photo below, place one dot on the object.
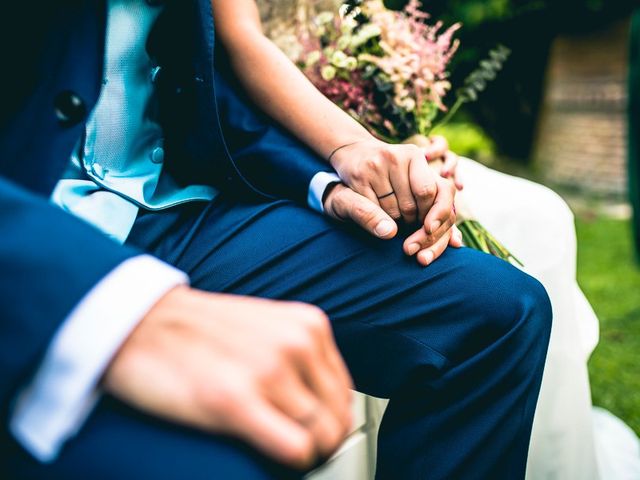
(52, 54)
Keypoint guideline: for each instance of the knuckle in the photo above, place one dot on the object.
(394, 213)
(358, 174)
(301, 345)
(316, 320)
(387, 151)
(428, 190)
(270, 370)
(394, 160)
(408, 208)
(362, 211)
(374, 164)
(302, 452)
(217, 398)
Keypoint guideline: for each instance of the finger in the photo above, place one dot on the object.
(450, 164)
(331, 389)
(347, 204)
(337, 363)
(317, 414)
(386, 196)
(370, 194)
(437, 148)
(458, 177)
(428, 256)
(456, 237)
(276, 434)
(421, 239)
(423, 187)
(339, 366)
(442, 206)
(400, 179)
(458, 181)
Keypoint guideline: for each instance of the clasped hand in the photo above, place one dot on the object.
(385, 183)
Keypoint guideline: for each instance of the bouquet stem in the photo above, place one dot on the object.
(475, 236)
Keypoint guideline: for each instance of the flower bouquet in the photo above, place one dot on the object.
(389, 70)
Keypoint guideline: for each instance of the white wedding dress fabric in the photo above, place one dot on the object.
(570, 439)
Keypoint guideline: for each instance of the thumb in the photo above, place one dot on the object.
(347, 204)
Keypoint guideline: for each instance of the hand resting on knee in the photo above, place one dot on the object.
(267, 372)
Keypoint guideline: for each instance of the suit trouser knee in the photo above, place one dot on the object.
(458, 346)
(472, 417)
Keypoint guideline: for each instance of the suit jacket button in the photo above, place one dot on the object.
(70, 109)
(157, 155)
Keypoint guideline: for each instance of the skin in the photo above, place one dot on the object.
(202, 359)
(369, 167)
(280, 384)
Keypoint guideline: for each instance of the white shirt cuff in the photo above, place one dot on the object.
(65, 388)
(317, 187)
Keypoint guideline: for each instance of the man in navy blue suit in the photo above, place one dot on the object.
(132, 165)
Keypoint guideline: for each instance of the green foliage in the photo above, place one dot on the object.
(468, 139)
(611, 280)
(561, 15)
(476, 83)
(486, 72)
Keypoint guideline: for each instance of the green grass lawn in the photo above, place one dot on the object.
(610, 278)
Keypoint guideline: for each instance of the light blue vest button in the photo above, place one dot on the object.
(157, 155)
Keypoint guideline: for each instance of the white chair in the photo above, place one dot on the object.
(355, 460)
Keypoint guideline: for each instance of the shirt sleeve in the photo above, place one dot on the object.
(318, 186)
(65, 389)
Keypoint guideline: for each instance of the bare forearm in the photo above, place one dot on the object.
(285, 94)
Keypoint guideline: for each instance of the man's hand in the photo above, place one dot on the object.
(342, 203)
(264, 371)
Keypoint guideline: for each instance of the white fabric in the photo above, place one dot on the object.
(318, 185)
(65, 388)
(538, 227)
(617, 447)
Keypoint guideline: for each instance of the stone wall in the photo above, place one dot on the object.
(582, 136)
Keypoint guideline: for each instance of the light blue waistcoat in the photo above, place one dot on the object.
(117, 169)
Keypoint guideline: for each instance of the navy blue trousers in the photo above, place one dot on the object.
(458, 347)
